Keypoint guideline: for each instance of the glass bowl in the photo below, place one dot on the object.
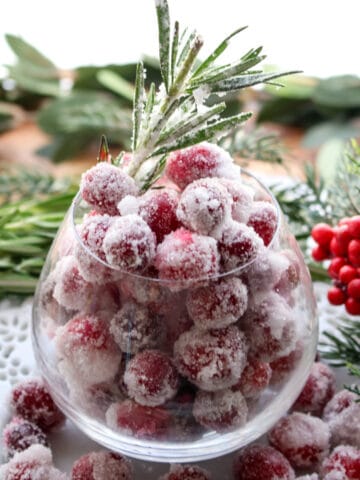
(210, 391)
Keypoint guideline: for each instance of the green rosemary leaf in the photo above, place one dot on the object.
(185, 50)
(138, 104)
(216, 53)
(154, 174)
(174, 51)
(27, 53)
(116, 84)
(163, 17)
(186, 64)
(149, 105)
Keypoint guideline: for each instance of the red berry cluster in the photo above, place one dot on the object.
(341, 245)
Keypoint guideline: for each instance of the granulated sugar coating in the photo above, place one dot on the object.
(129, 244)
(242, 197)
(342, 414)
(204, 206)
(92, 270)
(20, 434)
(134, 328)
(150, 378)
(284, 365)
(186, 472)
(263, 219)
(318, 390)
(102, 466)
(87, 353)
(143, 291)
(254, 378)
(261, 462)
(104, 185)
(303, 439)
(221, 411)
(238, 245)
(312, 476)
(342, 464)
(213, 360)
(219, 304)
(184, 255)
(200, 161)
(31, 400)
(92, 232)
(139, 421)
(34, 463)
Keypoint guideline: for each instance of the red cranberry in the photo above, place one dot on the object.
(138, 420)
(186, 472)
(220, 411)
(354, 226)
(343, 236)
(353, 252)
(335, 265)
(319, 253)
(336, 296)
(92, 233)
(31, 400)
(242, 196)
(254, 378)
(322, 234)
(257, 462)
(338, 249)
(347, 273)
(263, 219)
(19, 434)
(282, 366)
(104, 185)
(303, 439)
(101, 466)
(352, 306)
(213, 359)
(343, 463)
(353, 289)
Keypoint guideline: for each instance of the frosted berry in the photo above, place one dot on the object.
(144, 291)
(257, 462)
(335, 265)
(184, 256)
(263, 219)
(186, 472)
(342, 414)
(318, 390)
(282, 366)
(218, 304)
(158, 209)
(347, 273)
(102, 465)
(71, 290)
(270, 328)
(104, 185)
(31, 400)
(128, 205)
(134, 328)
(92, 232)
(151, 378)
(212, 360)
(242, 197)
(220, 411)
(19, 434)
(199, 161)
(129, 244)
(319, 253)
(311, 476)
(303, 439)
(336, 296)
(139, 421)
(238, 245)
(86, 351)
(342, 464)
(204, 206)
(322, 233)
(354, 226)
(92, 270)
(254, 378)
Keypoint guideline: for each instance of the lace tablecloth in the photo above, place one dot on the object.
(17, 362)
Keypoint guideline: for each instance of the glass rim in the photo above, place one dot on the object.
(188, 281)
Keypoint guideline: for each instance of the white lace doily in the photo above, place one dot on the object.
(17, 362)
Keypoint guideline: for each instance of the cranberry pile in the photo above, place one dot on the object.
(341, 245)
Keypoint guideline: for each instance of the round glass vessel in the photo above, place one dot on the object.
(130, 360)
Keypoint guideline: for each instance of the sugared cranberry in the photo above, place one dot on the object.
(101, 466)
(204, 206)
(138, 420)
(129, 244)
(282, 366)
(238, 245)
(318, 390)
(104, 185)
(19, 434)
(261, 462)
(92, 270)
(254, 378)
(303, 439)
(213, 359)
(322, 233)
(200, 161)
(311, 476)
(87, 353)
(218, 304)
(134, 328)
(144, 291)
(342, 464)
(151, 378)
(242, 196)
(220, 411)
(184, 256)
(263, 219)
(158, 209)
(92, 232)
(31, 400)
(342, 414)
(186, 472)
(336, 296)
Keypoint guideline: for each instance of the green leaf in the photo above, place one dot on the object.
(47, 87)
(325, 131)
(28, 53)
(297, 87)
(329, 158)
(116, 84)
(138, 108)
(186, 47)
(163, 17)
(174, 51)
(338, 92)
